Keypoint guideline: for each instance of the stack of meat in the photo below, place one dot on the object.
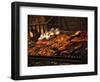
(60, 44)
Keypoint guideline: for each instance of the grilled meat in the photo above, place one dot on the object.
(63, 43)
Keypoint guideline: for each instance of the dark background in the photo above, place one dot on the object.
(64, 23)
